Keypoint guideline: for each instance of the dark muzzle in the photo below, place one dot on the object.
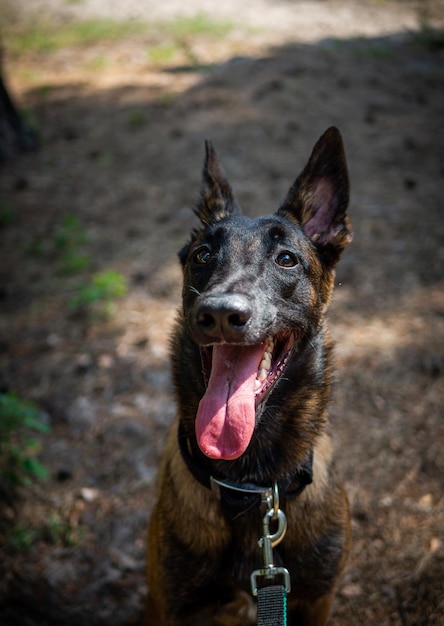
(221, 318)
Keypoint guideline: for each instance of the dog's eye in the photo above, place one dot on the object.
(286, 259)
(202, 255)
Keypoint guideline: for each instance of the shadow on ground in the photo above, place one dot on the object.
(125, 160)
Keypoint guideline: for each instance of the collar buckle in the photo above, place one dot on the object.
(246, 489)
(243, 497)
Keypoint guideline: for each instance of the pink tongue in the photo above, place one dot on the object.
(226, 414)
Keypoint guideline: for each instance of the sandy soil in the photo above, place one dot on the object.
(122, 151)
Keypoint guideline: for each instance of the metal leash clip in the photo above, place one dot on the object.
(267, 542)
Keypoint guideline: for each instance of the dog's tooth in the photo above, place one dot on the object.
(266, 361)
(265, 364)
(262, 374)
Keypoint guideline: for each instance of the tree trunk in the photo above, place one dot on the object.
(15, 134)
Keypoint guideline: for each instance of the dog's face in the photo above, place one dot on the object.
(254, 289)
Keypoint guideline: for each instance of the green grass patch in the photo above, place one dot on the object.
(97, 296)
(137, 119)
(21, 537)
(97, 64)
(44, 36)
(20, 421)
(167, 98)
(174, 39)
(44, 89)
(196, 25)
(376, 51)
(70, 234)
(73, 262)
(54, 531)
(168, 38)
(64, 247)
(164, 53)
(57, 532)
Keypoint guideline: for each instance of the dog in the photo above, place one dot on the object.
(252, 369)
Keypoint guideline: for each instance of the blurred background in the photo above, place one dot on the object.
(99, 169)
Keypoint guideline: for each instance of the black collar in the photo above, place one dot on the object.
(238, 498)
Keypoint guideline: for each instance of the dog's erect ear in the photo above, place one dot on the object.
(216, 198)
(318, 199)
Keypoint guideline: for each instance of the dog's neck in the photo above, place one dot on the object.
(239, 498)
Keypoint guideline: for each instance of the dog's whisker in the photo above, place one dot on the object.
(193, 289)
(311, 344)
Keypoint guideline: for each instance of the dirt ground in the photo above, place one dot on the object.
(122, 148)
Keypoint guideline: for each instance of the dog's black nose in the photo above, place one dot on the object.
(222, 317)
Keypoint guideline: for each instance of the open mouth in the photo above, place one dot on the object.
(276, 354)
(238, 379)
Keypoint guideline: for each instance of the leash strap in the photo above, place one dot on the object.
(271, 596)
(272, 606)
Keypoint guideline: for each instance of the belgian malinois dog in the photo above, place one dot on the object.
(251, 361)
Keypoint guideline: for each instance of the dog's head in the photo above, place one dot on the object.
(254, 289)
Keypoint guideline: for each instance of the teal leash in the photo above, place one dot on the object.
(272, 606)
(271, 584)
